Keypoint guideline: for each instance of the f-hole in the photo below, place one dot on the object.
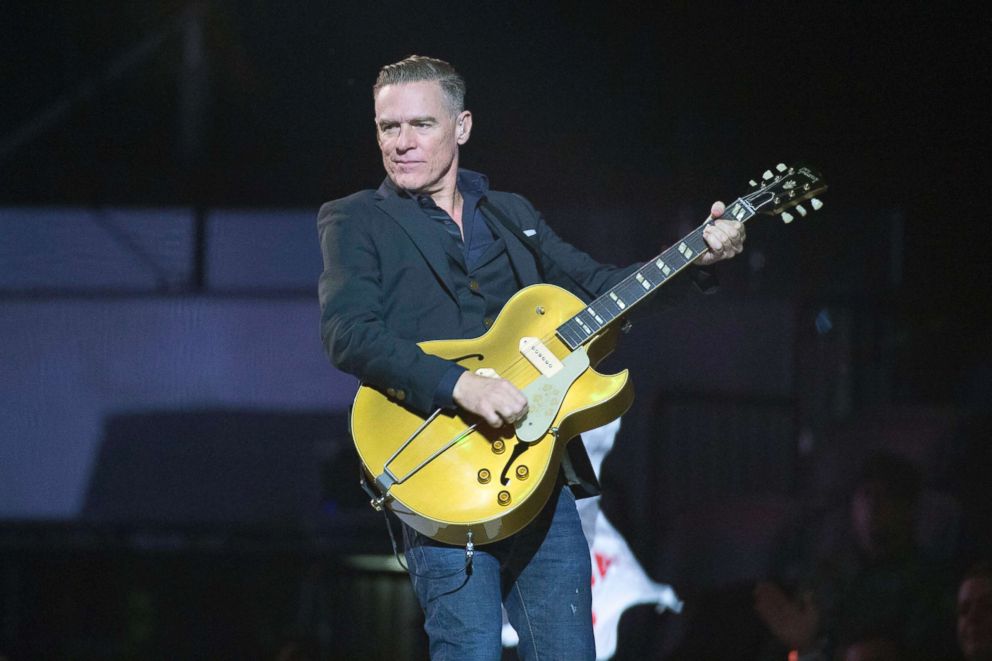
(458, 359)
(518, 450)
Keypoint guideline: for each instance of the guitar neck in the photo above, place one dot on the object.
(773, 196)
(645, 281)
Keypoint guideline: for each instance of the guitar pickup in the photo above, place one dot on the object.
(540, 356)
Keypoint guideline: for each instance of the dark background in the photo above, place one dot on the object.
(576, 105)
(161, 164)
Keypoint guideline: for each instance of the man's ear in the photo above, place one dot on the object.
(464, 127)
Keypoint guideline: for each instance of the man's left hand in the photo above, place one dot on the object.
(725, 238)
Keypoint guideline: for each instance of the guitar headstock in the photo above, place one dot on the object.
(783, 189)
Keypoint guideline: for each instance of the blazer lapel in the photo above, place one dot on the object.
(422, 237)
(520, 256)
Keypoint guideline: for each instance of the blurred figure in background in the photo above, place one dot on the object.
(975, 613)
(878, 580)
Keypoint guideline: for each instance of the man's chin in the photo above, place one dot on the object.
(407, 182)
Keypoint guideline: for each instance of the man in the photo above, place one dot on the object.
(434, 254)
(975, 613)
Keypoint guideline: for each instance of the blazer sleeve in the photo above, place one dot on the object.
(567, 266)
(353, 326)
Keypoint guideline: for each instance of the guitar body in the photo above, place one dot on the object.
(488, 481)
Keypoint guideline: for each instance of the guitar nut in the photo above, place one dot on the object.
(499, 446)
(522, 472)
(503, 498)
(484, 476)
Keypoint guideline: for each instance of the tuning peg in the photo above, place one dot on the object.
(815, 203)
(787, 217)
(781, 167)
(753, 183)
(767, 175)
(801, 210)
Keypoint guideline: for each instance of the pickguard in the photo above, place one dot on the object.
(545, 395)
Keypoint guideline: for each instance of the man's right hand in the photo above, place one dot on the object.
(495, 400)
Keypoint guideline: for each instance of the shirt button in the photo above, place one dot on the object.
(400, 395)
(473, 285)
(488, 321)
(391, 392)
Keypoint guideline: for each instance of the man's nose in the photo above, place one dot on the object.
(406, 139)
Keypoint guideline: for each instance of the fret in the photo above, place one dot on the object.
(664, 268)
(617, 301)
(594, 318)
(630, 291)
(584, 326)
(605, 311)
(653, 274)
(739, 210)
(686, 251)
(569, 335)
(674, 259)
(696, 243)
(626, 295)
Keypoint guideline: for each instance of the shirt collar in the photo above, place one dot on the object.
(470, 183)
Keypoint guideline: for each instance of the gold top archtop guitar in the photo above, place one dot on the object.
(461, 482)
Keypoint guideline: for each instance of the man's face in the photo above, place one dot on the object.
(975, 618)
(419, 136)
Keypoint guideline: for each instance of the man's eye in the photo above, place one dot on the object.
(390, 129)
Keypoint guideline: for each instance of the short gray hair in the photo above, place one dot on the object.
(418, 68)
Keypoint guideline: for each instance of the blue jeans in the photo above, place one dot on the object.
(542, 575)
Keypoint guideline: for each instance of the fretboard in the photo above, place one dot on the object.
(642, 283)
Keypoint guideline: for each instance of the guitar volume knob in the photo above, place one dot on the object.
(503, 498)
(499, 446)
(522, 472)
(484, 476)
